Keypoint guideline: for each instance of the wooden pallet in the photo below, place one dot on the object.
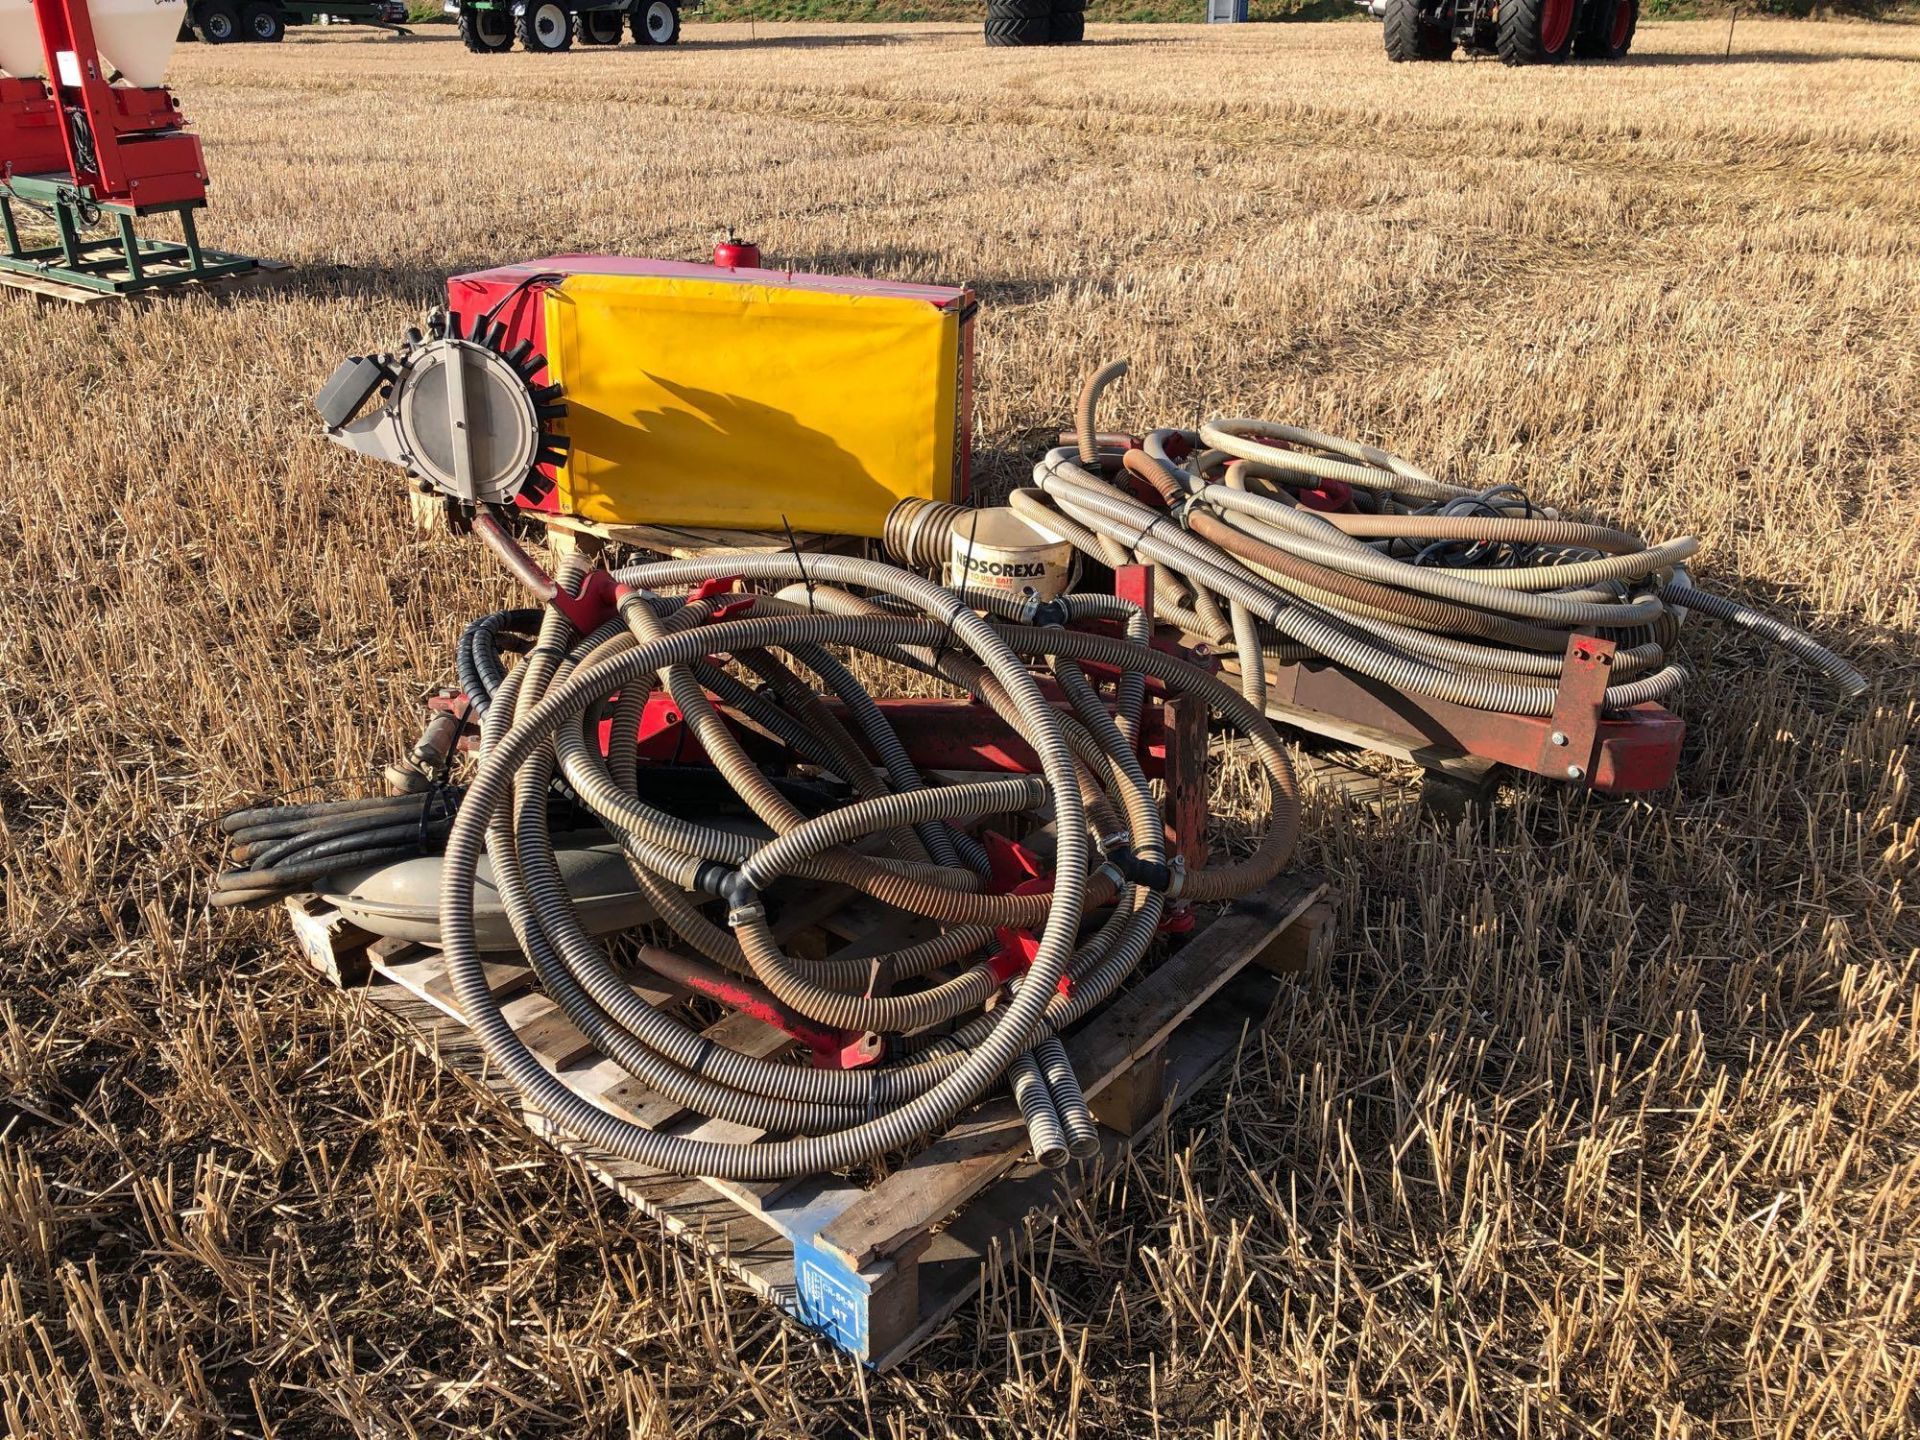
(50, 289)
(877, 1271)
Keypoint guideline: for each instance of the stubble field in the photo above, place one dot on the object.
(1602, 1120)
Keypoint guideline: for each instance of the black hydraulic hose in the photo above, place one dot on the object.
(477, 656)
(288, 848)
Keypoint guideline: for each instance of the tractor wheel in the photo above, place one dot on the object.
(1535, 32)
(1410, 35)
(1607, 33)
(544, 28)
(596, 27)
(262, 22)
(1020, 22)
(486, 32)
(1068, 23)
(656, 22)
(219, 22)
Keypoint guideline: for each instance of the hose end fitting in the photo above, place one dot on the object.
(733, 886)
(1050, 612)
(1167, 879)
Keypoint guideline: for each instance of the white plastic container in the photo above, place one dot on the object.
(136, 36)
(999, 550)
(20, 53)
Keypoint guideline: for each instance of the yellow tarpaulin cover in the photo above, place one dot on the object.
(745, 406)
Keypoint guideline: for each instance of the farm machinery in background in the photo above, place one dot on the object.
(1520, 32)
(546, 27)
(225, 22)
(89, 135)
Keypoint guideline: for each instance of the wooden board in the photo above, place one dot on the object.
(876, 1270)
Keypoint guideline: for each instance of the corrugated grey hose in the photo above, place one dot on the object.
(1158, 536)
(1848, 681)
(1355, 592)
(492, 787)
(1348, 597)
(541, 720)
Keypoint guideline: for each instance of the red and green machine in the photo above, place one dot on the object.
(93, 145)
(1520, 32)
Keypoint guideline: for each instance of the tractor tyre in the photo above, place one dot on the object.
(486, 32)
(263, 22)
(597, 27)
(1020, 22)
(1019, 32)
(544, 28)
(1535, 32)
(1068, 23)
(1607, 33)
(218, 22)
(1411, 35)
(656, 22)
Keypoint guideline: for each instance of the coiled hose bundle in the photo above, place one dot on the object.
(1289, 544)
(953, 1016)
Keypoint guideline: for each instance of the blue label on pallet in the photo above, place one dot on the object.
(833, 1297)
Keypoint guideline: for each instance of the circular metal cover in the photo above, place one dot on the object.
(502, 429)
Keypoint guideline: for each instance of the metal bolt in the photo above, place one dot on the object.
(1574, 772)
(1558, 738)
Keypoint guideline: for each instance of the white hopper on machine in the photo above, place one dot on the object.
(136, 36)
(20, 54)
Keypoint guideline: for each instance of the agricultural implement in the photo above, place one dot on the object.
(1344, 591)
(546, 27)
(839, 984)
(90, 134)
(265, 22)
(826, 399)
(1520, 32)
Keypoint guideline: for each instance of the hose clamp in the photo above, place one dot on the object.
(1176, 877)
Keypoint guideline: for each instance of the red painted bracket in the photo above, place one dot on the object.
(1631, 750)
(1578, 710)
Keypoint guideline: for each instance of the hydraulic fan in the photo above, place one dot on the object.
(460, 414)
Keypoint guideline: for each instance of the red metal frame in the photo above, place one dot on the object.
(136, 151)
(1630, 751)
(1635, 750)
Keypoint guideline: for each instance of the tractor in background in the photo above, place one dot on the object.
(1520, 32)
(546, 27)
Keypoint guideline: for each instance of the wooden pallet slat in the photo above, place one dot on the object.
(949, 1172)
(876, 1270)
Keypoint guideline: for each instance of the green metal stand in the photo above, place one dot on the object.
(121, 263)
